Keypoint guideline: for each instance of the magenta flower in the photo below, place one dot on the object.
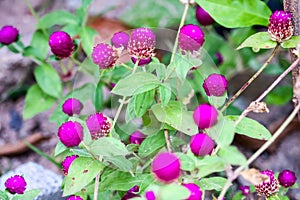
(203, 17)
(8, 35)
(131, 193)
(191, 37)
(215, 85)
(98, 125)
(287, 178)
(61, 44)
(201, 144)
(245, 189)
(120, 39)
(15, 184)
(74, 198)
(268, 187)
(280, 26)
(195, 191)
(70, 133)
(105, 56)
(205, 116)
(137, 137)
(66, 163)
(72, 106)
(150, 195)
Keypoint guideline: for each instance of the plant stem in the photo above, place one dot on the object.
(251, 79)
(126, 66)
(246, 111)
(167, 138)
(97, 182)
(184, 14)
(124, 98)
(259, 151)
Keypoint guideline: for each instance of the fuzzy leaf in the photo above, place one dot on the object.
(213, 183)
(259, 40)
(151, 144)
(291, 43)
(174, 192)
(108, 146)
(232, 155)
(209, 165)
(142, 102)
(165, 93)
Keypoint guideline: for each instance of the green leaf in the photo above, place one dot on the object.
(186, 162)
(98, 100)
(82, 171)
(90, 68)
(152, 144)
(151, 124)
(273, 197)
(36, 101)
(280, 95)
(291, 43)
(250, 128)
(57, 18)
(238, 196)
(3, 195)
(48, 80)
(121, 162)
(135, 84)
(260, 40)
(246, 13)
(108, 146)
(87, 36)
(28, 195)
(175, 116)
(38, 46)
(160, 69)
(209, 165)
(59, 148)
(130, 112)
(123, 181)
(165, 93)
(213, 183)
(174, 192)
(232, 155)
(142, 102)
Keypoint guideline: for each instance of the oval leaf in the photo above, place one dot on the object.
(152, 144)
(213, 183)
(108, 146)
(57, 18)
(259, 40)
(232, 155)
(291, 43)
(209, 165)
(174, 192)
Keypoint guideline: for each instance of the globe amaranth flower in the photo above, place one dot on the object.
(142, 62)
(287, 178)
(16, 184)
(66, 163)
(280, 26)
(105, 56)
(201, 144)
(136, 137)
(203, 17)
(195, 191)
(245, 189)
(191, 37)
(131, 193)
(72, 106)
(70, 133)
(99, 125)
(74, 198)
(150, 195)
(61, 44)
(268, 187)
(142, 43)
(120, 39)
(205, 116)
(8, 35)
(215, 85)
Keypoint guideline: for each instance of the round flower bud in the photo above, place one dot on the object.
(280, 26)
(142, 43)
(72, 106)
(287, 178)
(245, 190)
(166, 167)
(15, 184)
(98, 125)
(130, 194)
(205, 116)
(104, 56)
(215, 85)
(201, 144)
(120, 39)
(142, 62)
(150, 195)
(196, 193)
(61, 44)
(70, 133)
(191, 37)
(219, 58)
(66, 163)
(8, 35)
(203, 17)
(268, 187)
(137, 137)
(74, 198)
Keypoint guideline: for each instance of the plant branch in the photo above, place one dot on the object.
(251, 79)
(96, 188)
(167, 138)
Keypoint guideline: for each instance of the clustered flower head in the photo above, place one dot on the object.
(215, 85)
(66, 163)
(195, 191)
(70, 133)
(142, 62)
(72, 106)
(142, 43)
(74, 198)
(203, 17)
(61, 44)
(201, 144)
(268, 187)
(191, 37)
(99, 125)
(245, 189)
(16, 184)
(8, 35)
(136, 137)
(205, 116)
(105, 56)
(287, 178)
(120, 39)
(150, 195)
(280, 26)
(131, 193)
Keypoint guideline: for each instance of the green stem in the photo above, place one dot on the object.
(126, 66)
(251, 79)
(259, 151)
(167, 138)
(97, 182)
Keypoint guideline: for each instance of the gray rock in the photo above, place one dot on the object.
(38, 177)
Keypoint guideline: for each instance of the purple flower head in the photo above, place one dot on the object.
(195, 191)
(98, 125)
(142, 43)
(137, 137)
(16, 184)
(191, 37)
(166, 167)
(287, 178)
(66, 163)
(280, 26)
(8, 35)
(131, 193)
(74, 198)
(245, 190)
(70, 133)
(150, 195)
(105, 56)
(61, 44)
(203, 17)
(267, 187)
(205, 116)
(219, 58)
(120, 39)
(201, 144)
(72, 106)
(215, 85)
(142, 62)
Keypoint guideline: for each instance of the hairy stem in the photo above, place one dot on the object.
(251, 79)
